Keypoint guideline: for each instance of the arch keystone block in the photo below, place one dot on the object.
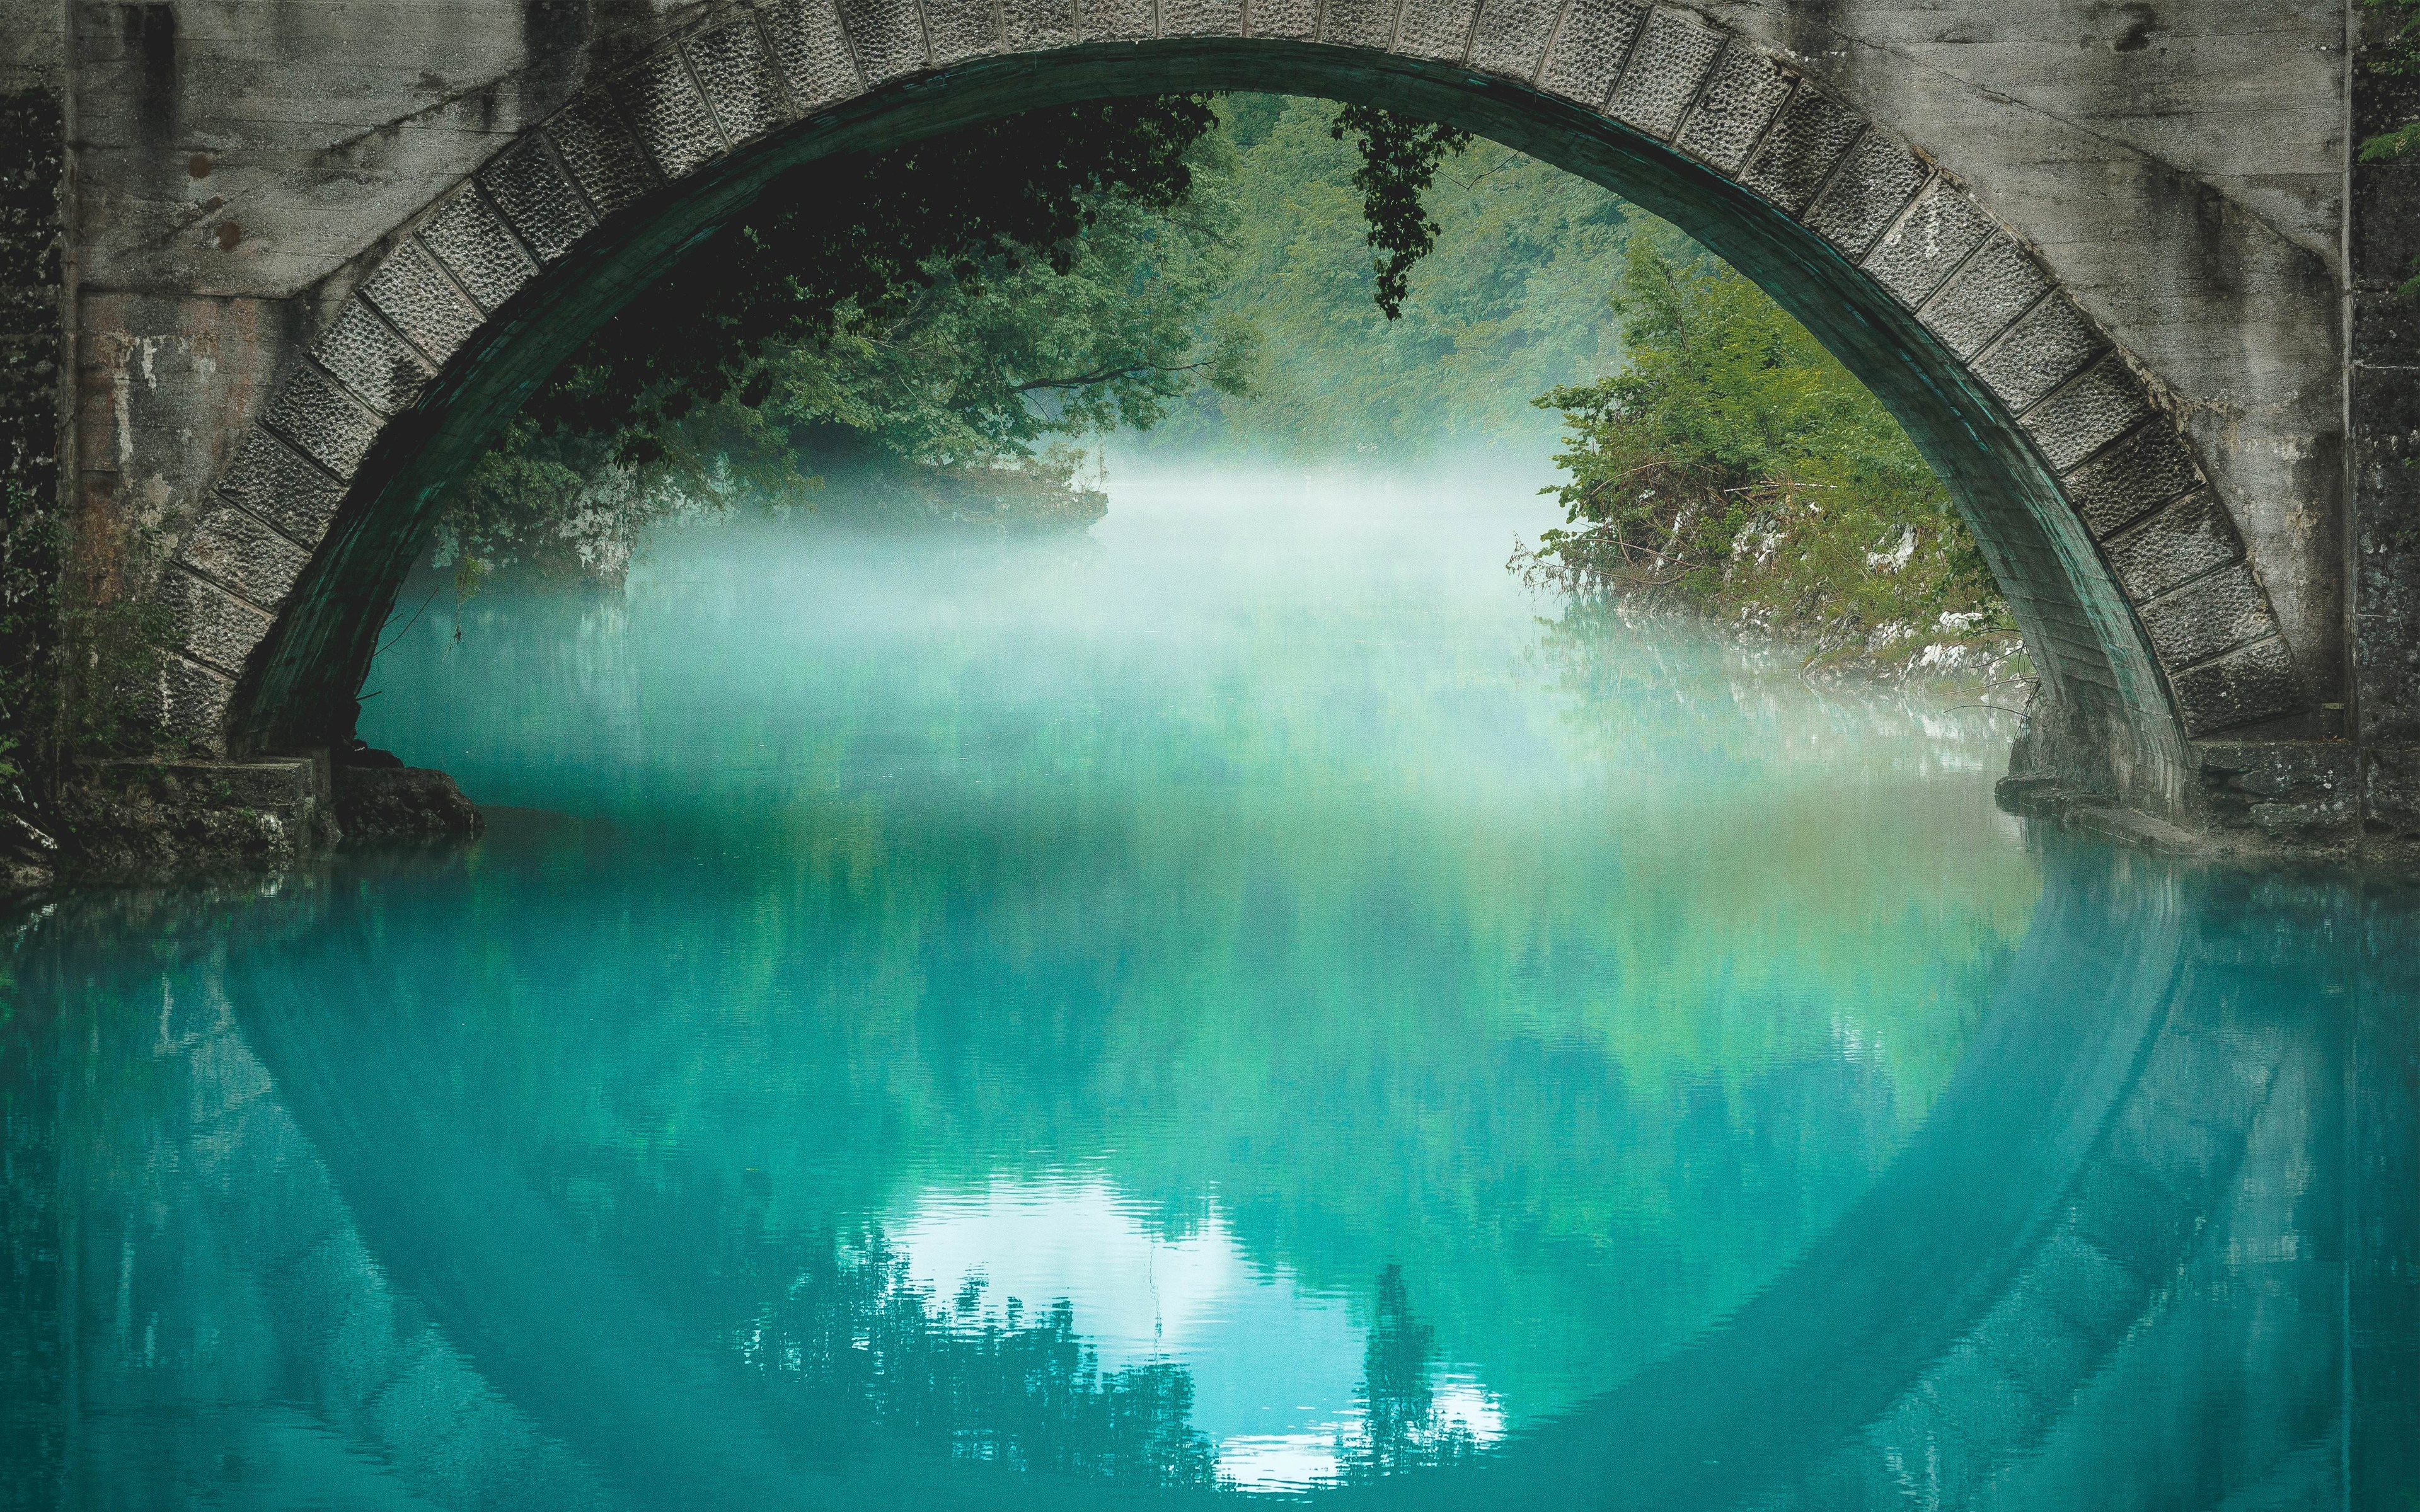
(1298, 20)
(1436, 28)
(1351, 22)
(1201, 17)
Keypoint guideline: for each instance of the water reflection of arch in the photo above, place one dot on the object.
(2090, 1143)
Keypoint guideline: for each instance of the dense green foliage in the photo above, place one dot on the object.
(1398, 164)
(949, 304)
(1734, 464)
(1510, 301)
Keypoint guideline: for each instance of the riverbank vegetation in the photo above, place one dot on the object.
(1732, 467)
(939, 335)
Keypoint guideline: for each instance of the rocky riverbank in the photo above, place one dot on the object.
(153, 823)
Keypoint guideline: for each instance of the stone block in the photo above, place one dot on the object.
(2052, 344)
(228, 545)
(889, 35)
(961, 29)
(601, 152)
(1739, 102)
(1115, 21)
(192, 702)
(2147, 470)
(1282, 18)
(2252, 683)
(1799, 153)
(276, 483)
(1510, 36)
(667, 115)
(1435, 28)
(209, 624)
(2087, 414)
(1589, 49)
(2384, 444)
(2385, 329)
(471, 240)
(2391, 801)
(1666, 68)
(814, 55)
(324, 423)
(741, 85)
(1926, 244)
(1998, 284)
(1201, 17)
(537, 197)
(1867, 194)
(2209, 615)
(376, 364)
(1350, 23)
(421, 302)
(2187, 538)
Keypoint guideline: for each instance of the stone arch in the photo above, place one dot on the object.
(2126, 572)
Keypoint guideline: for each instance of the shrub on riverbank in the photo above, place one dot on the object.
(1734, 467)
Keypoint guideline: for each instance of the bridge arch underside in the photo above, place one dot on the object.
(2126, 573)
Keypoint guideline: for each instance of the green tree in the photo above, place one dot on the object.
(1508, 300)
(1734, 465)
(944, 306)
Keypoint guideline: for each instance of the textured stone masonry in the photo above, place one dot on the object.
(2145, 562)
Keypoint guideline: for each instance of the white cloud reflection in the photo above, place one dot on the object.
(1276, 1367)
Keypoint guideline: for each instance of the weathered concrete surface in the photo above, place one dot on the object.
(2094, 256)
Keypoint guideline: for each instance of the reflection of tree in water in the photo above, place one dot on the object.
(1020, 1388)
(1401, 1427)
(1003, 1385)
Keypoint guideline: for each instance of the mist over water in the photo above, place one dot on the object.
(1245, 1002)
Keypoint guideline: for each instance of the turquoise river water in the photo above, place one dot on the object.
(1245, 1005)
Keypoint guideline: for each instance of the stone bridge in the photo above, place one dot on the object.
(2114, 265)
